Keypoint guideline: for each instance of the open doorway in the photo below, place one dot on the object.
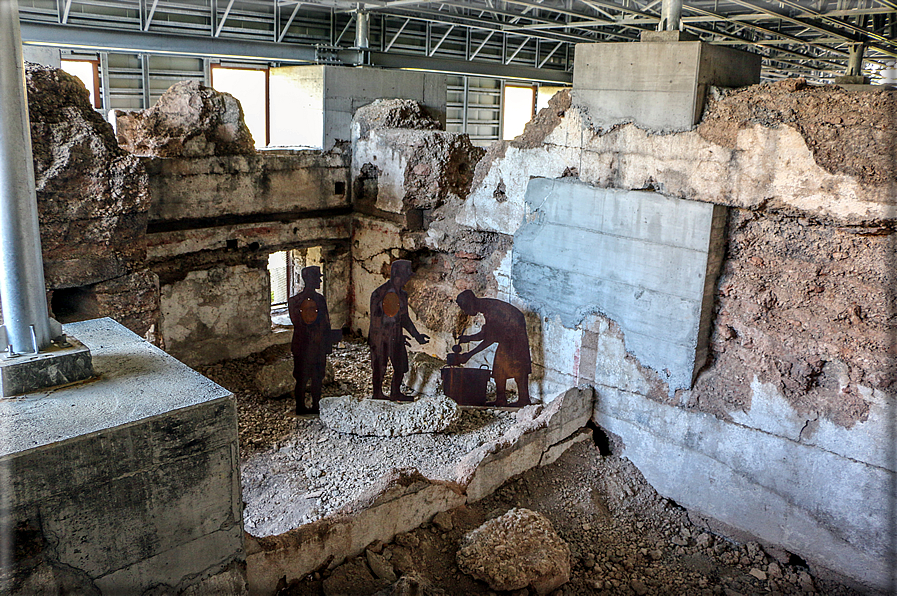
(284, 270)
(518, 109)
(88, 72)
(250, 86)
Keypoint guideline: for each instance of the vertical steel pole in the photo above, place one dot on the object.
(362, 27)
(22, 288)
(670, 15)
(855, 60)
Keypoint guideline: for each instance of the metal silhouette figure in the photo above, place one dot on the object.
(505, 325)
(389, 321)
(312, 340)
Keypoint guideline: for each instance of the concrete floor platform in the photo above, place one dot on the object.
(125, 482)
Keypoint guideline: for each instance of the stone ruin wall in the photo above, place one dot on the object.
(799, 357)
(798, 365)
(172, 240)
(93, 209)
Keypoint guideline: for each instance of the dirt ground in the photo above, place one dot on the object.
(623, 536)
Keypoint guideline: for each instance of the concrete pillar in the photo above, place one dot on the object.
(22, 288)
(855, 60)
(362, 27)
(670, 15)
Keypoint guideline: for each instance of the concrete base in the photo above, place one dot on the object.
(852, 80)
(659, 85)
(667, 36)
(57, 366)
(127, 484)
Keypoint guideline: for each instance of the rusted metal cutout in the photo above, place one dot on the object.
(504, 325)
(389, 321)
(312, 340)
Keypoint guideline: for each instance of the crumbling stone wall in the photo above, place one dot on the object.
(406, 174)
(800, 358)
(219, 209)
(93, 208)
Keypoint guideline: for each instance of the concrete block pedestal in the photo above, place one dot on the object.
(123, 484)
(657, 84)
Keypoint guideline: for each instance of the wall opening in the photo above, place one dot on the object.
(519, 107)
(284, 271)
(70, 305)
(88, 72)
(250, 86)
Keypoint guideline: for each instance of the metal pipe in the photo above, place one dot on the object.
(362, 27)
(855, 60)
(22, 288)
(670, 15)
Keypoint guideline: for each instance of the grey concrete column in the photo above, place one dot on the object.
(855, 60)
(670, 15)
(362, 27)
(22, 287)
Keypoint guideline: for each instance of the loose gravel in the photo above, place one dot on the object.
(625, 538)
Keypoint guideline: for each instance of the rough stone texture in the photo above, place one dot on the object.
(224, 187)
(833, 510)
(798, 350)
(394, 113)
(828, 117)
(91, 195)
(353, 579)
(217, 313)
(92, 204)
(516, 550)
(803, 306)
(188, 120)
(408, 166)
(133, 479)
(404, 499)
(375, 417)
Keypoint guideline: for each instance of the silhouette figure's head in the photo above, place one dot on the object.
(312, 277)
(400, 272)
(468, 302)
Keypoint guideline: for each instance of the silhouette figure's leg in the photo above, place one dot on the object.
(317, 383)
(379, 366)
(501, 382)
(522, 390)
(301, 381)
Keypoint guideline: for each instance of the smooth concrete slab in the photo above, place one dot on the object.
(643, 259)
(135, 380)
(130, 482)
(659, 85)
(829, 509)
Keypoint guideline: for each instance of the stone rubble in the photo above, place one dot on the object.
(516, 550)
(622, 535)
(382, 418)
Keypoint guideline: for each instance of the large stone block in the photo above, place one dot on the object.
(218, 313)
(240, 185)
(645, 260)
(127, 483)
(657, 85)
